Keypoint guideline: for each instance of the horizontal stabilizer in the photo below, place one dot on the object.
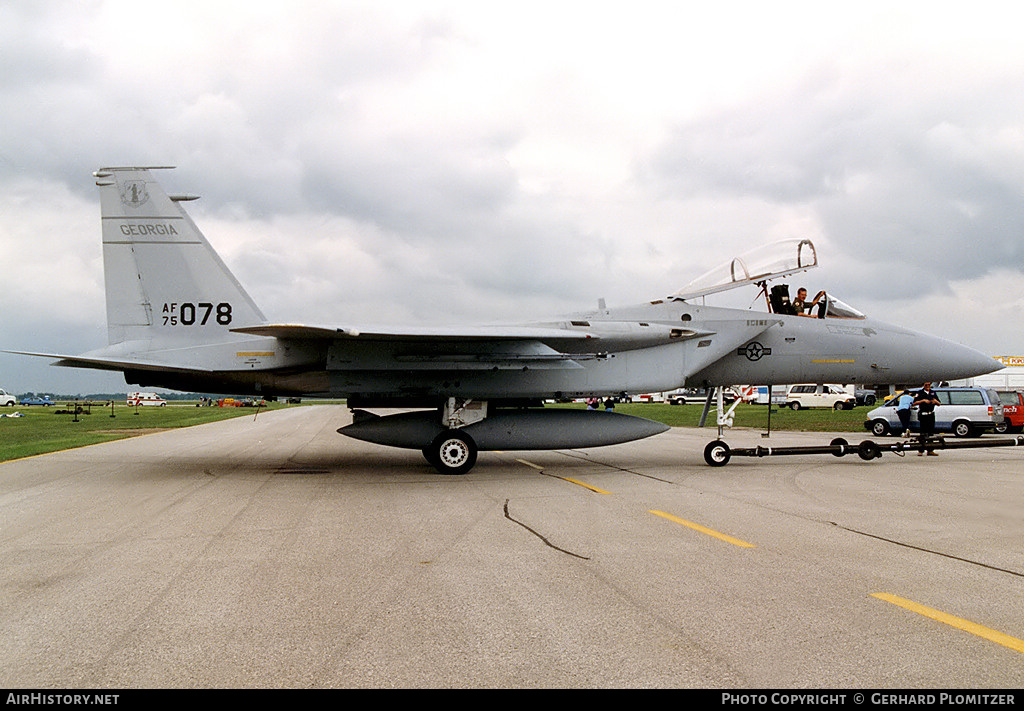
(69, 361)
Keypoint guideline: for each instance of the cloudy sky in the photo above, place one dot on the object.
(480, 162)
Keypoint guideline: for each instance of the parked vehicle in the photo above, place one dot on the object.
(142, 399)
(36, 400)
(966, 412)
(866, 397)
(646, 397)
(6, 399)
(833, 396)
(696, 396)
(1013, 412)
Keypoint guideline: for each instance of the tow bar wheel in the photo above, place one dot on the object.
(868, 450)
(453, 452)
(717, 453)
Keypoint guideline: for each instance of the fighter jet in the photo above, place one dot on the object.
(177, 318)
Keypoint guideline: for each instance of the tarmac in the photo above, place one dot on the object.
(271, 552)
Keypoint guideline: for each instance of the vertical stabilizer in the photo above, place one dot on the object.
(165, 285)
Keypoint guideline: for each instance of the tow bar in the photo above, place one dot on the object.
(718, 453)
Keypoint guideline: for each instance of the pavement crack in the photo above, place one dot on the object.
(577, 455)
(929, 550)
(546, 542)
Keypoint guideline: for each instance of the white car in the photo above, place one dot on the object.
(6, 399)
(809, 395)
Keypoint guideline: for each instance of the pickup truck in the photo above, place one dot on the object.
(6, 399)
(1013, 412)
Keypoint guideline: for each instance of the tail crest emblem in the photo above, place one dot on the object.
(134, 194)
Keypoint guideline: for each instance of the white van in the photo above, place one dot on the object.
(966, 412)
(139, 399)
(809, 395)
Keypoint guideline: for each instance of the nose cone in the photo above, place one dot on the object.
(980, 362)
(932, 358)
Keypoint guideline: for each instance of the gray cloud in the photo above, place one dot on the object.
(905, 180)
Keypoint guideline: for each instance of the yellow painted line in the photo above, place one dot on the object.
(250, 354)
(961, 624)
(530, 464)
(702, 529)
(834, 360)
(577, 482)
(585, 485)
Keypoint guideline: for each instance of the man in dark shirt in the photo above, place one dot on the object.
(926, 401)
(800, 305)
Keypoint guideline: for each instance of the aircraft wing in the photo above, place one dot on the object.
(293, 331)
(533, 341)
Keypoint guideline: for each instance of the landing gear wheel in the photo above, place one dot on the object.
(868, 450)
(717, 453)
(452, 452)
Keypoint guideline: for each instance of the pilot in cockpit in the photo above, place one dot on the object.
(800, 305)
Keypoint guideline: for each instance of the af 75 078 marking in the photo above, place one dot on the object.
(189, 314)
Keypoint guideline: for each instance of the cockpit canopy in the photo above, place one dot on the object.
(758, 266)
(769, 261)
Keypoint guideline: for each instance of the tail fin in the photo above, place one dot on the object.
(164, 282)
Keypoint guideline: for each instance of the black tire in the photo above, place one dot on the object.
(839, 406)
(452, 452)
(428, 454)
(962, 428)
(840, 442)
(717, 453)
(1002, 428)
(794, 406)
(879, 428)
(868, 450)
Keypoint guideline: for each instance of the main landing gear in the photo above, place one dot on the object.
(454, 451)
(451, 452)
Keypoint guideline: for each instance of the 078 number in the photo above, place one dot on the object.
(189, 314)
